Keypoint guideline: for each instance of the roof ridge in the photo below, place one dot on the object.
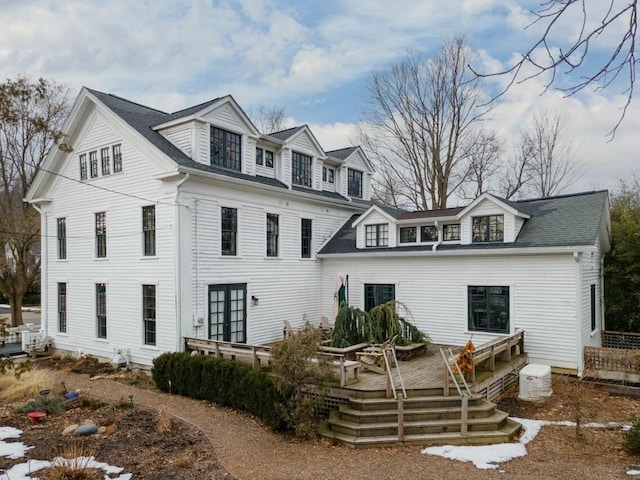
(343, 148)
(565, 195)
(199, 104)
(288, 129)
(127, 100)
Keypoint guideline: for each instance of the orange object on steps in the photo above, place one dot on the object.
(464, 359)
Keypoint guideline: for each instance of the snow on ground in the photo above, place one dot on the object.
(489, 456)
(23, 471)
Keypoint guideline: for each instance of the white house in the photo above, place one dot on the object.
(485, 270)
(159, 226)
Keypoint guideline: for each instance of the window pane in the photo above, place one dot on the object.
(104, 156)
(149, 229)
(229, 230)
(268, 159)
(354, 183)
(225, 149)
(62, 238)
(259, 156)
(93, 163)
(101, 310)
(489, 309)
(117, 159)
(272, 235)
(149, 313)
(378, 294)
(428, 233)
(101, 234)
(451, 232)
(305, 234)
(62, 307)
(300, 169)
(489, 228)
(83, 167)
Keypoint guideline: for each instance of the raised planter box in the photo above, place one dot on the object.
(405, 353)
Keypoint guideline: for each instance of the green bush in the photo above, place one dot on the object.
(224, 382)
(631, 442)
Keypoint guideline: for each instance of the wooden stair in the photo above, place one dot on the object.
(372, 421)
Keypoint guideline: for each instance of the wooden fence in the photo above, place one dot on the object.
(612, 364)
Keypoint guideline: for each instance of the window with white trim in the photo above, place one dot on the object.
(377, 235)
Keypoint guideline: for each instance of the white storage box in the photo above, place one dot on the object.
(535, 382)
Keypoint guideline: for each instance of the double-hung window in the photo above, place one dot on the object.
(149, 230)
(354, 183)
(62, 307)
(489, 228)
(268, 159)
(377, 235)
(149, 314)
(407, 234)
(259, 156)
(225, 149)
(93, 163)
(300, 169)
(117, 159)
(83, 166)
(488, 309)
(229, 230)
(328, 174)
(305, 236)
(62, 238)
(104, 157)
(101, 234)
(101, 310)
(272, 235)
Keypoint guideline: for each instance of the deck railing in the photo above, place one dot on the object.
(626, 340)
(503, 349)
(612, 363)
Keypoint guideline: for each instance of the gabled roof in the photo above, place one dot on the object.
(420, 214)
(341, 153)
(285, 135)
(562, 221)
(388, 212)
(505, 204)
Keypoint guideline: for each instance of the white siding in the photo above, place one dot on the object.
(181, 136)
(287, 286)
(357, 162)
(591, 275)
(303, 143)
(125, 269)
(226, 117)
(434, 288)
(203, 140)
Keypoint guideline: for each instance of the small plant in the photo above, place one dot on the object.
(352, 326)
(631, 441)
(186, 459)
(54, 405)
(74, 463)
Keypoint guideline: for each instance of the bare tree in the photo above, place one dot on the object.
(421, 120)
(548, 156)
(268, 119)
(557, 51)
(31, 115)
(484, 163)
(515, 175)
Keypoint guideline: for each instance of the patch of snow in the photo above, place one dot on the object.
(23, 471)
(489, 456)
(633, 472)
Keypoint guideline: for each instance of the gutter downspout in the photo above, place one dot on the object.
(178, 273)
(440, 235)
(44, 249)
(580, 357)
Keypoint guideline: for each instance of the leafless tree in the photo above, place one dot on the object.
(268, 119)
(484, 160)
(31, 115)
(557, 51)
(422, 117)
(515, 175)
(548, 156)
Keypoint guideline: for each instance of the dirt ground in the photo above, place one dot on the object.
(249, 450)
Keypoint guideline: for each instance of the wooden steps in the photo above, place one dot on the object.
(427, 420)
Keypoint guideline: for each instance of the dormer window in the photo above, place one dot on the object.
(225, 149)
(428, 233)
(259, 156)
(489, 228)
(300, 169)
(354, 183)
(408, 234)
(451, 232)
(377, 235)
(328, 174)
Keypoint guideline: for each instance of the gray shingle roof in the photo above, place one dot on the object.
(286, 134)
(566, 220)
(341, 153)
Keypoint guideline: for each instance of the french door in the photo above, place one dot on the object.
(228, 312)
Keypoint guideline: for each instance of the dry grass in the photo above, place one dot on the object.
(72, 464)
(164, 421)
(27, 386)
(185, 459)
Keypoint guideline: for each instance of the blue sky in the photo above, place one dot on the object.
(311, 57)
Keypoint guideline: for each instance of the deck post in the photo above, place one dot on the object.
(446, 382)
(217, 345)
(401, 418)
(465, 415)
(255, 358)
(343, 373)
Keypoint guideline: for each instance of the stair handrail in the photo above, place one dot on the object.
(464, 381)
(448, 361)
(391, 351)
